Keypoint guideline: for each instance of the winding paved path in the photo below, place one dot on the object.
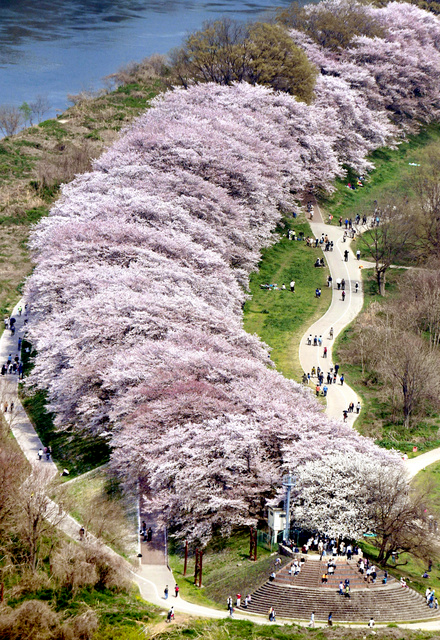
(339, 314)
(152, 579)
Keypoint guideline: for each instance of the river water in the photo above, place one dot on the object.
(56, 47)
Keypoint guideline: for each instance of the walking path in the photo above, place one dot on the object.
(339, 314)
(152, 578)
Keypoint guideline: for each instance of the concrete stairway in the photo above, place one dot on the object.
(297, 596)
(312, 571)
(385, 603)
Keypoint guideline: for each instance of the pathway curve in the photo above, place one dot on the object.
(339, 314)
(152, 579)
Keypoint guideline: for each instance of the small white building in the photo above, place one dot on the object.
(276, 519)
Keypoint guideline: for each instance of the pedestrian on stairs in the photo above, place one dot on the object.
(341, 588)
(330, 619)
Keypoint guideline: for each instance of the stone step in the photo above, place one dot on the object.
(387, 604)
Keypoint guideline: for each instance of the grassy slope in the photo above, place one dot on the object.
(392, 175)
(226, 571)
(280, 317)
(98, 502)
(238, 630)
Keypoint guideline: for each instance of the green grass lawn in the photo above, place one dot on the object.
(392, 175)
(429, 479)
(226, 571)
(243, 630)
(77, 452)
(97, 501)
(410, 568)
(280, 318)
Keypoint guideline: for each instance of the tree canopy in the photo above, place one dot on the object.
(226, 51)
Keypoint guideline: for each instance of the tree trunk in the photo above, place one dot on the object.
(380, 278)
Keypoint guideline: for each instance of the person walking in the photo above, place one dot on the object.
(170, 614)
(358, 407)
(325, 352)
(165, 592)
(292, 286)
(40, 453)
(341, 379)
(343, 296)
(176, 590)
(346, 255)
(230, 607)
(371, 623)
(356, 287)
(358, 254)
(312, 620)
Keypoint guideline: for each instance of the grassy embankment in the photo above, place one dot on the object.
(238, 630)
(97, 501)
(392, 175)
(280, 318)
(227, 571)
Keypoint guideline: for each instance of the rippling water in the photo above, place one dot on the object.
(64, 46)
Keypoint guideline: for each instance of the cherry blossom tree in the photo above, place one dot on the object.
(142, 270)
(346, 496)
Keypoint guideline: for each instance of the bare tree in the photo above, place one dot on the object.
(386, 242)
(420, 292)
(398, 515)
(36, 515)
(426, 185)
(39, 107)
(11, 119)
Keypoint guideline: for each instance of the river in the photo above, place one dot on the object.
(56, 47)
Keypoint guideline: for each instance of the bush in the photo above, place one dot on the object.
(33, 619)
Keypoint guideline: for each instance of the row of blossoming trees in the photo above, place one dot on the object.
(142, 269)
